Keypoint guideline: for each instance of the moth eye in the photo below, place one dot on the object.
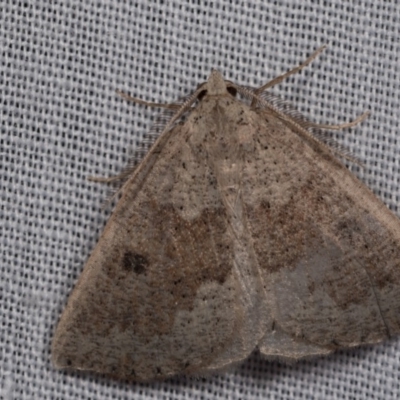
(201, 94)
(231, 90)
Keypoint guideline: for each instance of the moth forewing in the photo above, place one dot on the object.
(239, 230)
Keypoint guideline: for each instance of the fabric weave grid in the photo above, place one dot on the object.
(61, 63)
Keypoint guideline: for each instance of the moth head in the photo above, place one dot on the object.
(216, 85)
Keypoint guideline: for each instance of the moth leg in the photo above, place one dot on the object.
(128, 171)
(293, 71)
(362, 117)
(116, 178)
(110, 179)
(136, 100)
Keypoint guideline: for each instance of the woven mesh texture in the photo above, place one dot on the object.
(61, 121)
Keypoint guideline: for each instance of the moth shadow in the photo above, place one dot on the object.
(258, 370)
(261, 370)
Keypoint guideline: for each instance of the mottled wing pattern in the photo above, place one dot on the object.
(328, 248)
(168, 288)
(238, 230)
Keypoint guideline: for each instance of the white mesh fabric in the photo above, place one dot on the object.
(61, 121)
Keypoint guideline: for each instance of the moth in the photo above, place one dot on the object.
(240, 230)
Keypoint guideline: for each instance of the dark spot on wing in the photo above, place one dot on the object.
(134, 262)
